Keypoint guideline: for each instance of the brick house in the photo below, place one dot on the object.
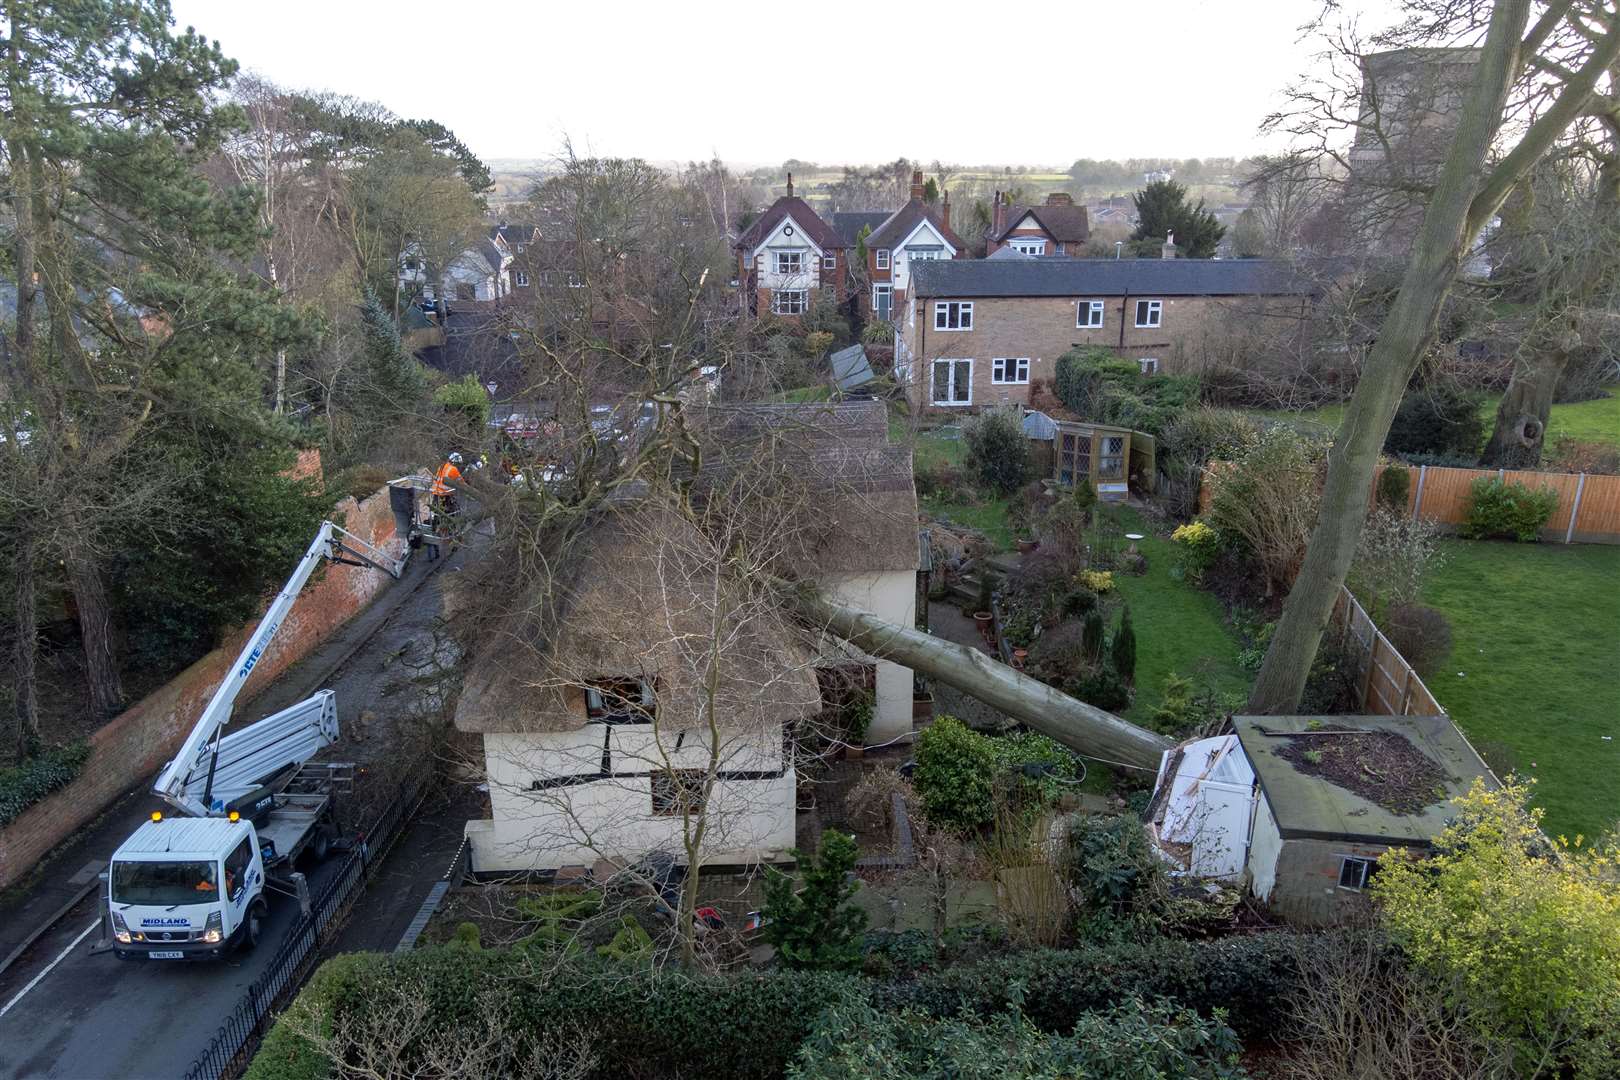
(979, 331)
(1057, 228)
(787, 256)
(914, 234)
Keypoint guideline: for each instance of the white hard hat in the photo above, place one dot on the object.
(455, 458)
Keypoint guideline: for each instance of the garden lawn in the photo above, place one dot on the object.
(988, 516)
(1536, 632)
(1597, 420)
(1179, 628)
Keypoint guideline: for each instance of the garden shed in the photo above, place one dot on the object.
(1098, 452)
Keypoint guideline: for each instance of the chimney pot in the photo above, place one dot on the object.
(916, 185)
(790, 186)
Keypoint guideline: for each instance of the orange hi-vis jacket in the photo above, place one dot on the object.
(447, 472)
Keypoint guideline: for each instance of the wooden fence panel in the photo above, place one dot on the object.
(1598, 521)
(1389, 685)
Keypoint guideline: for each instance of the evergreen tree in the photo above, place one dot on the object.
(1162, 211)
(813, 925)
(1125, 647)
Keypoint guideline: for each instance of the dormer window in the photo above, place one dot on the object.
(620, 700)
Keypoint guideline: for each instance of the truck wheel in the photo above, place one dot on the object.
(320, 846)
(255, 925)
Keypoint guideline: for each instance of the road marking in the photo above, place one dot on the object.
(59, 958)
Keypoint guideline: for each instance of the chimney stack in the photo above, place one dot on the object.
(916, 185)
(998, 215)
(790, 185)
(1059, 198)
(1168, 251)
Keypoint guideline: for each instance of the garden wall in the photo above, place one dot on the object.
(131, 747)
(1588, 503)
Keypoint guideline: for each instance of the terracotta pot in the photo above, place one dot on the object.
(1019, 656)
(1027, 546)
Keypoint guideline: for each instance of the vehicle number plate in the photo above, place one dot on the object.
(166, 955)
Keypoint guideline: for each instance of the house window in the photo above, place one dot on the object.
(953, 382)
(411, 263)
(522, 280)
(1030, 247)
(1149, 312)
(621, 701)
(677, 792)
(953, 315)
(882, 301)
(790, 262)
(1010, 370)
(1149, 365)
(882, 255)
(929, 255)
(788, 301)
(829, 262)
(1355, 873)
(1111, 458)
(1088, 314)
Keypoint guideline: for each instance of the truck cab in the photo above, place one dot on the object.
(186, 889)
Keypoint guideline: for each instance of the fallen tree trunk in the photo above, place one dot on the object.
(1083, 728)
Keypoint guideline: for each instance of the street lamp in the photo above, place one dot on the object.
(1117, 245)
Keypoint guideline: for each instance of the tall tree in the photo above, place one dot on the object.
(1555, 65)
(1162, 211)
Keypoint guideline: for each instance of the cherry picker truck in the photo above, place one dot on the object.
(192, 886)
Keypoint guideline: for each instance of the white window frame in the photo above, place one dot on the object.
(882, 258)
(779, 263)
(1148, 364)
(1028, 245)
(1020, 371)
(923, 256)
(778, 308)
(953, 360)
(829, 261)
(1155, 314)
(1092, 310)
(521, 279)
(878, 289)
(942, 316)
(1367, 866)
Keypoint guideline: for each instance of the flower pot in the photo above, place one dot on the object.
(1018, 658)
(1027, 546)
(985, 621)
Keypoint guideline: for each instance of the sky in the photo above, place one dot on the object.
(829, 81)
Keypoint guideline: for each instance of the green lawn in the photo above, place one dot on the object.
(1536, 630)
(1597, 420)
(1178, 628)
(989, 516)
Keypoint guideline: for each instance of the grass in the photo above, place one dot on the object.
(1597, 420)
(1535, 633)
(1179, 628)
(988, 516)
(805, 394)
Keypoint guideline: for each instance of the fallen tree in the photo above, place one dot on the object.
(1089, 731)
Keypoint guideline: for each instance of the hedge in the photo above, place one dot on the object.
(21, 786)
(644, 1023)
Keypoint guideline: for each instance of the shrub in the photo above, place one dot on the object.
(813, 926)
(1333, 687)
(1267, 502)
(466, 396)
(1091, 636)
(954, 775)
(1124, 647)
(641, 1022)
(1100, 386)
(1186, 708)
(1203, 434)
(1439, 418)
(1394, 487)
(1509, 510)
(1100, 686)
(1132, 1040)
(1394, 556)
(1098, 581)
(25, 784)
(997, 450)
(1421, 634)
(1059, 654)
(817, 343)
(1196, 545)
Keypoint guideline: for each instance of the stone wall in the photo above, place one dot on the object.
(129, 749)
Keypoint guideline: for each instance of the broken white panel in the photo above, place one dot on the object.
(1205, 827)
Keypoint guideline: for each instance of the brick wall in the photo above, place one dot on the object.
(1191, 331)
(133, 746)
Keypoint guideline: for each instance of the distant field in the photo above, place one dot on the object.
(1597, 420)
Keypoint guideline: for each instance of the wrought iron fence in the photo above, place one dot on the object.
(238, 1037)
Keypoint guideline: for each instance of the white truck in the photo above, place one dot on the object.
(192, 886)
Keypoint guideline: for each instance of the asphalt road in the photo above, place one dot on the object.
(102, 1018)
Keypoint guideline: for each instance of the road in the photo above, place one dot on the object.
(98, 1017)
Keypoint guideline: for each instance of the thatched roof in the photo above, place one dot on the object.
(640, 603)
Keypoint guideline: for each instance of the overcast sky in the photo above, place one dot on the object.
(824, 80)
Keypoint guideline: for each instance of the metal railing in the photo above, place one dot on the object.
(234, 1044)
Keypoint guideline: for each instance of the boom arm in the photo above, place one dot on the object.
(328, 544)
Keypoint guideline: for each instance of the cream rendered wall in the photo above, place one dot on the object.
(891, 595)
(765, 259)
(750, 820)
(1264, 848)
(924, 235)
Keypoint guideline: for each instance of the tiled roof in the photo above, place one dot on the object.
(1065, 224)
(901, 223)
(790, 205)
(849, 224)
(1110, 277)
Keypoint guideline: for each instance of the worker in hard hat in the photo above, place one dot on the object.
(443, 492)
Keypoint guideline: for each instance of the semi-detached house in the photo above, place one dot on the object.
(979, 332)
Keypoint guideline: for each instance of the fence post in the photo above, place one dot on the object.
(1574, 511)
(1406, 688)
(1501, 476)
(1417, 503)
